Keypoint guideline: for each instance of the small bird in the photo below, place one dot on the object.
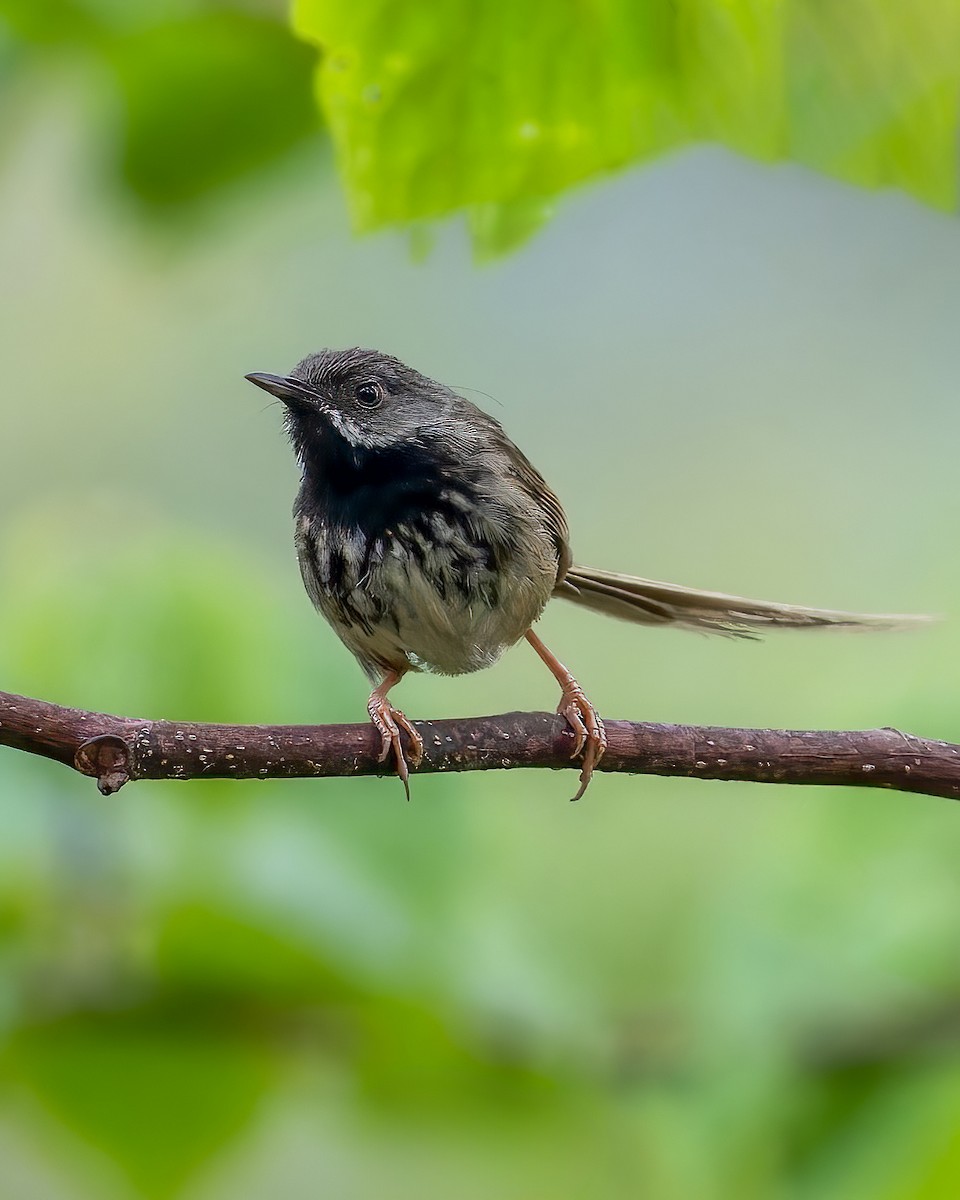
(431, 543)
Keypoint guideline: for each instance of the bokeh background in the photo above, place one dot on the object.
(738, 375)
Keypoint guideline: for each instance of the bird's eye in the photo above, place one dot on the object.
(369, 395)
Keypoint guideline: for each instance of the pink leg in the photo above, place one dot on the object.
(388, 722)
(579, 713)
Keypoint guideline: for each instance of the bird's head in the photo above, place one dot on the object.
(360, 400)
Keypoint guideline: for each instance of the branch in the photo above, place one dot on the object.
(115, 750)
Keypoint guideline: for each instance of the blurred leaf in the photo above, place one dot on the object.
(452, 105)
(873, 88)
(10, 55)
(499, 228)
(49, 22)
(209, 91)
(213, 954)
(158, 1099)
(207, 99)
(898, 1141)
(410, 1058)
(153, 622)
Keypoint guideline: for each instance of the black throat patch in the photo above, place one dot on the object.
(379, 489)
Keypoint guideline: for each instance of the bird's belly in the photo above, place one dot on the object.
(401, 608)
(456, 634)
(447, 631)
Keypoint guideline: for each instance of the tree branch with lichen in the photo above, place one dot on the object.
(117, 750)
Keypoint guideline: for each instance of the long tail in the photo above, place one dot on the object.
(648, 602)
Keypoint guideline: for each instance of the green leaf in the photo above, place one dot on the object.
(48, 22)
(207, 99)
(208, 92)
(156, 1096)
(211, 955)
(873, 93)
(454, 105)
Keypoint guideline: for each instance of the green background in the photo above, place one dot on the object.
(739, 376)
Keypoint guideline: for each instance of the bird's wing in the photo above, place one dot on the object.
(555, 519)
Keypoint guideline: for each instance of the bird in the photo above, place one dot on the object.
(430, 542)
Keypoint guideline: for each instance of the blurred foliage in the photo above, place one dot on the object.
(169, 1087)
(206, 92)
(218, 990)
(498, 107)
(206, 99)
(180, 962)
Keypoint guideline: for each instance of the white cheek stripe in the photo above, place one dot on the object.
(351, 432)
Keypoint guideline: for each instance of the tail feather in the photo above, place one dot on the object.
(649, 602)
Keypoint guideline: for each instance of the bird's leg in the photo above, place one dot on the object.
(388, 721)
(579, 713)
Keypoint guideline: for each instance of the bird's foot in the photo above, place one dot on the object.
(388, 721)
(588, 729)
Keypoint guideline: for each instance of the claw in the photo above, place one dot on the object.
(591, 737)
(388, 721)
(577, 711)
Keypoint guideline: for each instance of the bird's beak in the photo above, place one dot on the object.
(291, 391)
